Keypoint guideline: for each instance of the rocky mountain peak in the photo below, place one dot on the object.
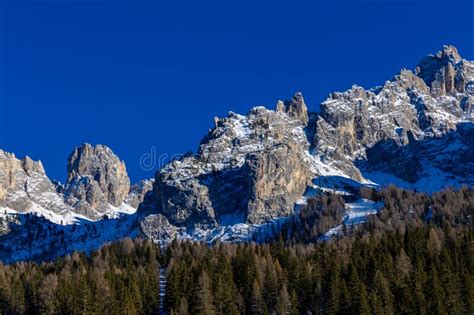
(248, 168)
(97, 185)
(24, 186)
(296, 107)
(254, 168)
(449, 53)
(99, 164)
(446, 73)
(30, 166)
(386, 128)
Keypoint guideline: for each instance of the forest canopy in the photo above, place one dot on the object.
(415, 256)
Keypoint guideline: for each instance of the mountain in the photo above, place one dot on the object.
(97, 185)
(408, 128)
(40, 218)
(414, 131)
(251, 173)
(24, 187)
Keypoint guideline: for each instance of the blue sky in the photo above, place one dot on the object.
(140, 74)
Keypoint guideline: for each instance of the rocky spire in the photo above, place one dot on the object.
(295, 107)
(30, 166)
(450, 53)
(445, 72)
(101, 173)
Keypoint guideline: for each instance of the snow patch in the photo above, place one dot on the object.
(356, 213)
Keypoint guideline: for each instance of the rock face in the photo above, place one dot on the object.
(97, 180)
(24, 187)
(445, 73)
(447, 158)
(385, 129)
(279, 179)
(250, 167)
(157, 227)
(99, 164)
(295, 108)
(138, 192)
(97, 185)
(415, 129)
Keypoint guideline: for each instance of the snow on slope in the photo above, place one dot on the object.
(35, 238)
(356, 213)
(231, 231)
(68, 217)
(433, 181)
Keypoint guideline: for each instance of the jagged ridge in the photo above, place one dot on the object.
(415, 131)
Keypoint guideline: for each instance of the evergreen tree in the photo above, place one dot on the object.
(204, 304)
(183, 307)
(436, 294)
(284, 302)
(257, 303)
(383, 294)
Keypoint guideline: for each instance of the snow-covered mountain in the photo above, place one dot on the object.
(40, 218)
(252, 172)
(97, 186)
(415, 130)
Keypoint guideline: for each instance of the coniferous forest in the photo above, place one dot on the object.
(416, 256)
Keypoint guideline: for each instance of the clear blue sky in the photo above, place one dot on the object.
(137, 74)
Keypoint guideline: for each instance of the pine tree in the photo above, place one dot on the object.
(363, 303)
(334, 292)
(225, 292)
(173, 287)
(257, 303)
(18, 297)
(284, 301)
(204, 304)
(183, 307)
(383, 292)
(436, 294)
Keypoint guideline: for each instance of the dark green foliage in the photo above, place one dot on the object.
(415, 257)
(387, 274)
(120, 278)
(317, 217)
(447, 209)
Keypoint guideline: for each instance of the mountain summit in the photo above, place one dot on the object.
(414, 131)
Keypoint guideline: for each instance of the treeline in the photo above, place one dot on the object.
(120, 278)
(414, 257)
(423, 271)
